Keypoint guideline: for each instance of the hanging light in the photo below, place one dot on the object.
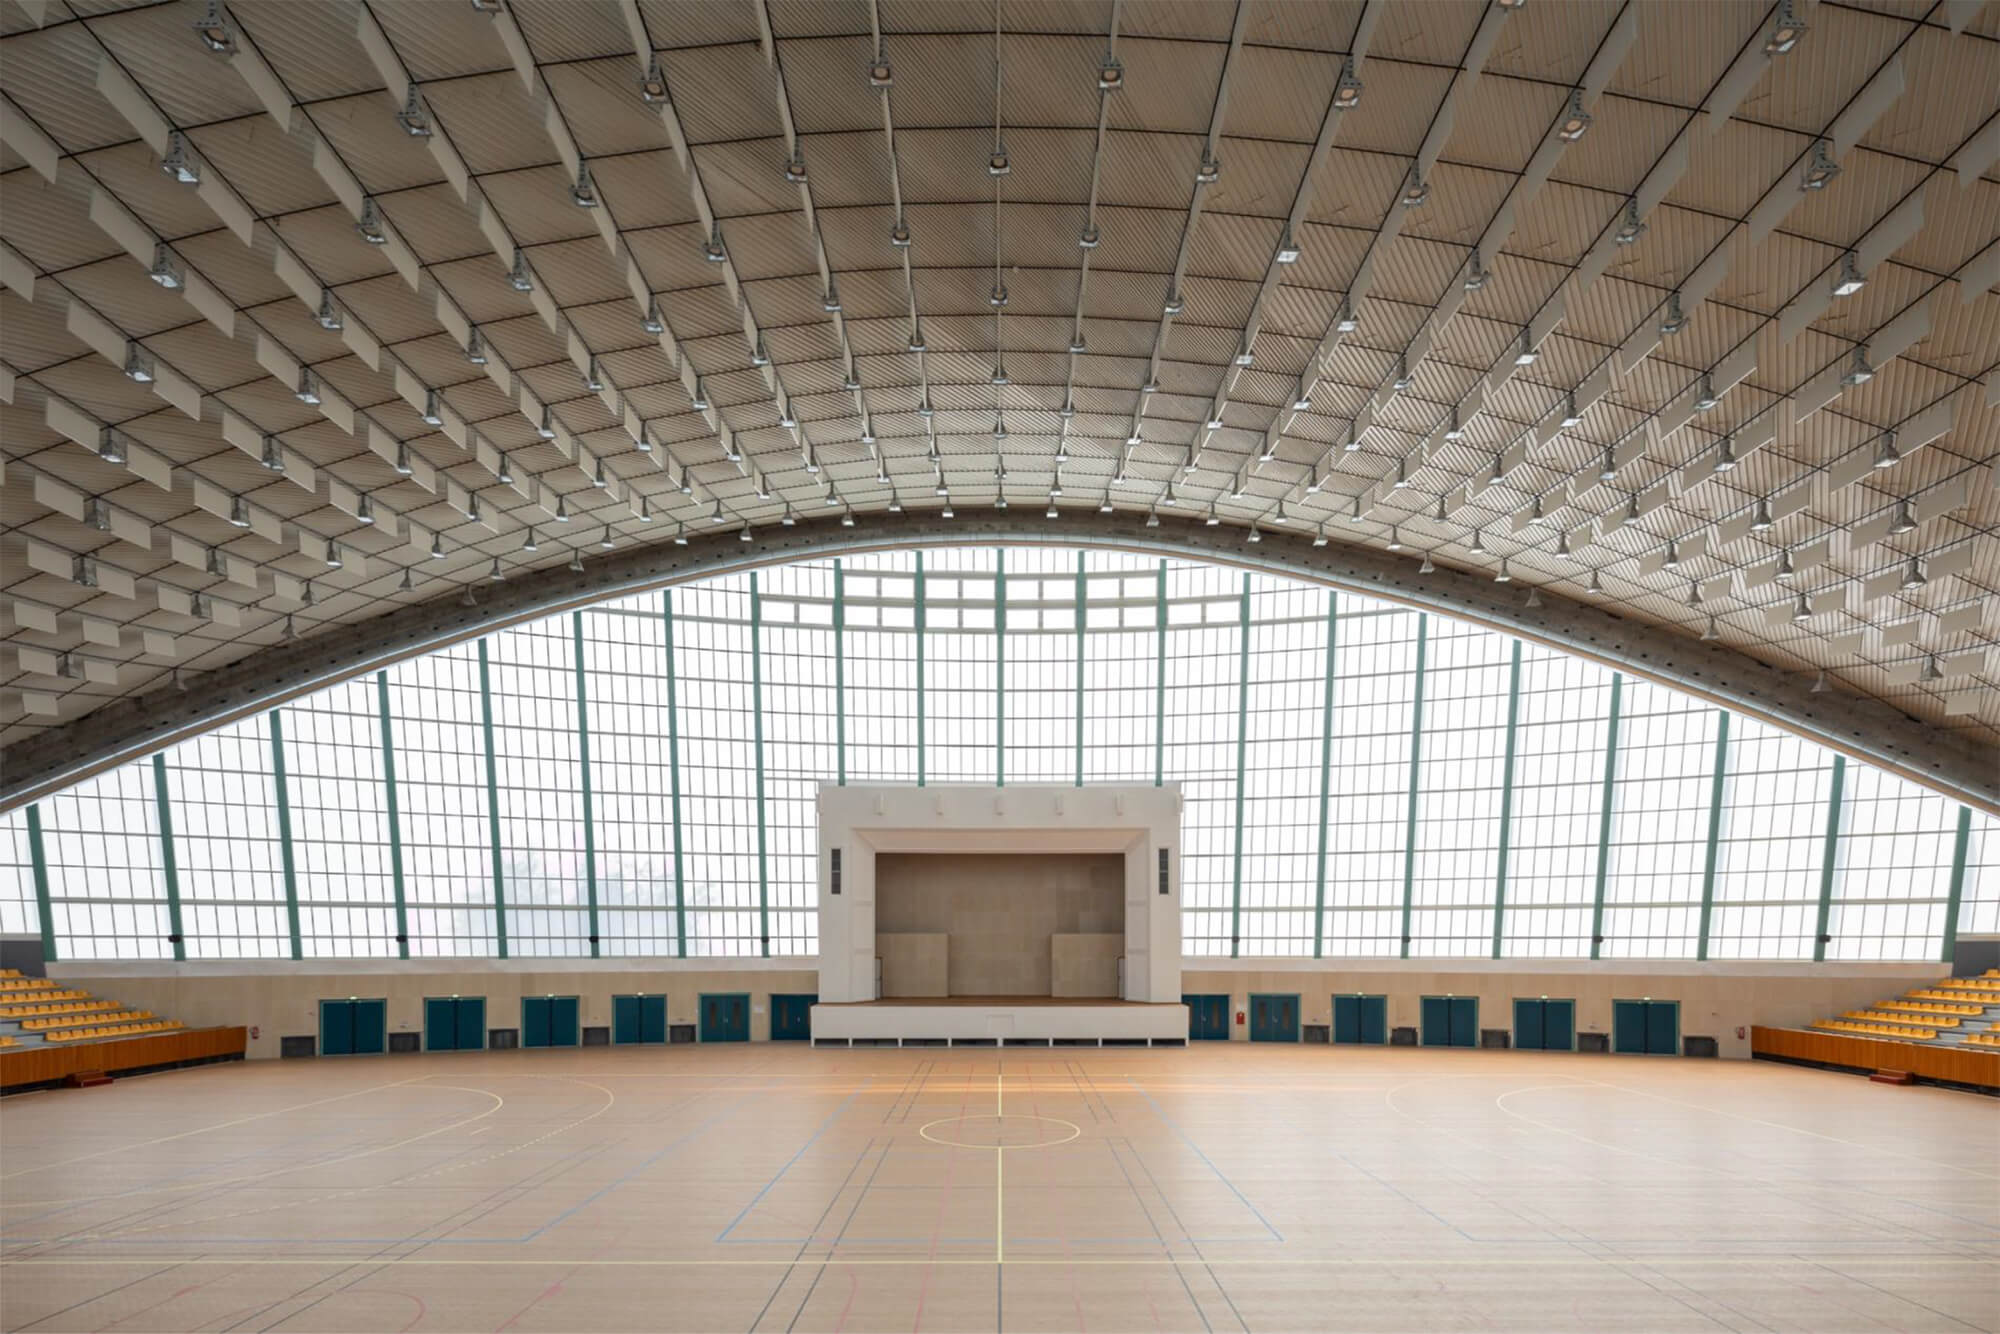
(369, 224)
(1886, 454)
(1786, 29)
(1849, 280)
(1674, 320)
(1819, 169)
(1209, 171)
(1801, 610)
(138, 366)
(1784, 570)
(214, 30)
(1914, 577)
(584, 192)
(1631, 227)
(1710, 633)
(1904, 522)
(518, 277)
(177, 162)
(1575, 121)
(415, 122)
(1416, 190)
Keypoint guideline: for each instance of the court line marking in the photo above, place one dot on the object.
(924, 1131)
(1414, 1262)
(220, 1125)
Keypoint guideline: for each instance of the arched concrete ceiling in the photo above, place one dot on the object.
(1864, 729)
(1564, 287)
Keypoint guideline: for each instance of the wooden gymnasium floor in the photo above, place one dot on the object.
(1216, 1188)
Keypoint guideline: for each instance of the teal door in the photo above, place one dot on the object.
(1545, 1025)
(371, 1026)
(454, 1023)
(549, 1021)
(1646, 1027)
(336, 1028)
(1450, 1021)
(725, 1016)
(1208, 1018)
(791, 1017)
(1274, 1017)
(1362, 1020)
(638, 1019)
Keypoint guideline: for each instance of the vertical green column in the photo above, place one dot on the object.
(393, 808)
(1082, 598)
(493, 803)
(920, 668)
(1242, 748)
(839, 675)
(169, 867)
(674, 771)
(1718, 782)
(1160, 679)
(1325, 778)
(1416, 756)
(1506, 802)
(1952, 898)
(1829, 863)
(44, 911)
(1000, 666)
(583, 769)
(285, 855)
(1604, 813)
(757, 728)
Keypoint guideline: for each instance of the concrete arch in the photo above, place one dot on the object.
(1862, 728)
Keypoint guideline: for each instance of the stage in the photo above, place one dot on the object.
(993, 1021)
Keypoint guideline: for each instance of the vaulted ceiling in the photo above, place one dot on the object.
(316, 310)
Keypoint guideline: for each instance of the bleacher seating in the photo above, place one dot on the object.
(113, 1031)
(1952, 1010)
(37, 1009)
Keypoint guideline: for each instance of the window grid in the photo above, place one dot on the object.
(1374, 705)
(1773, 845)
(1463, 748)
(1558, 790)
(338, 794)
(631, 779)
(226, 846)
(536, 749)
(1659, 824)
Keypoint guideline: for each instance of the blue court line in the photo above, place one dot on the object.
(618, 1181)
(832, 1116)
(1161, 1112)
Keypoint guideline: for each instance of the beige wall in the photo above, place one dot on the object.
(999, 910)
(280, 998)
(1716, 999)
(1084, 965)
(914, 963)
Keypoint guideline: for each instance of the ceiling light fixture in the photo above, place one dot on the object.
(1596, 586)
(369, 224)
(308, 390)
(1525, 354)
(177, 162)
(334, 560)
(412, 117)
(712, 249)
(529, 544)
(1784, 571)
(607, 541)
(1503, 576)
(1476, 272)
(899, 234)
(1402, 380)
(168, 275)
(1210, 169)
(1858, 370)
(1819, 169)
(1575, 121)
(273, 457)
(1429, 566)
(1173, 305)
(881, 74)
(653, 83)
(1801, 610)
(795, 168)
(1786, 30)
(518, 277)
(1674, 320)
(1904, 522)
(1760, 517)
(1416, 190)
(1704, 394)
(1672, 560)
(1110, 76)
(1914, 578)
(139, 366)
(1849, 280)
(214, 30)
(584, 193)
(1288, 249)
(433, 415)
(1347, 92)
(1631, 228)
(1710, 633)
(1725, 454)
(997, 163)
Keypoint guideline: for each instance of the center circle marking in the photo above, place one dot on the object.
(1011, 1130)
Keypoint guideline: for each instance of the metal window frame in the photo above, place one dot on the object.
(1718, 784)
(1506, 847)
(1325, 773)
(282, 790)
(1829, 868)
(674, 772)
(583, 770)
(1606, 807)
(1242, 746)
(493, 802)
(169, 866)
(392, 805)
(1416, 764)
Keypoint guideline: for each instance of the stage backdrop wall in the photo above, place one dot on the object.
(1135, 824)
(1000, 912)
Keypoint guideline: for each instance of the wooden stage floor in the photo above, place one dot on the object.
(1213, 1188)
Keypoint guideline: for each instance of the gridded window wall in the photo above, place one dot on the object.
(1203, 697)
(1773, 845)
(631, 775)
(339, 808)
(436, 719)
(537, 754)
(227, 856)
(960, 714)
(718, 768)
(1559, 760)
(1462, 748)
(489, 782)
(799, 743)
(1661, 803)
(1368, 810)
(1281, 761)
(1039, 671)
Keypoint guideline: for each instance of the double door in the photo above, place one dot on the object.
(725, 1016)
(1274, 1017)
(352, 1027)
(1545, 1025)
(454, 1023)
(1646, 1027)
(1361, 1020)
(791, 1017)
(1208, 1018)
(638, 1019)
(1451, 1021)
(548, 1021)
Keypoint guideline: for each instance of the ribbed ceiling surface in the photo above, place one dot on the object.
(732, 334)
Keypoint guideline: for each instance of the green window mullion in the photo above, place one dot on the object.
(44, 911)
(169, 868)
(1160, 679)
(1718, 782)
(920, 668)
(1081, 595)
(1829, 863)
(1416, 754)
(839, 675)
(285, 856)
(757, 727)
(583, 769)
(1000, 666)
(493, 803)
(674, 771)
(1506, 801)
(393, 808)
(1325, 778)
(1960, 848)
(1604, 813)
(1242, 747)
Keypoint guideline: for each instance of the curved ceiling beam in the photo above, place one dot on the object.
(1863, 729)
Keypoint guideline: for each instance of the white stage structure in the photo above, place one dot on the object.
(1141, 824)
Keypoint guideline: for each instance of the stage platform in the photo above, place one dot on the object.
(999, 1021)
